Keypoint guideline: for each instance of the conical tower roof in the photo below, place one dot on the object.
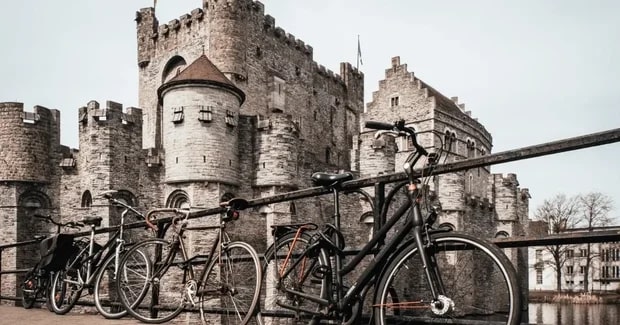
(202, 71)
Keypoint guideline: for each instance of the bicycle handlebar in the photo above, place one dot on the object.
(70, 224)
(398, 126)
(109, 195)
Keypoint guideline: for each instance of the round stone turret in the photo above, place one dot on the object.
(27, 142)
(200, 112)
(277, 142)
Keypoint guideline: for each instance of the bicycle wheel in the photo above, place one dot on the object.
(30, 289)
(479, 282)
(67, 286)
(153, 288)
(107, 299)
(231, 288)
(311, 276)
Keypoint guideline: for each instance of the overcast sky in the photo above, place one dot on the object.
(531, 71)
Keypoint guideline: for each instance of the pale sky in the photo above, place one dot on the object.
(531, 71)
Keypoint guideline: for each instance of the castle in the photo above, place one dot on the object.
(233, 105)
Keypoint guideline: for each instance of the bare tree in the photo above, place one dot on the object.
(594, 208)
(560, 213)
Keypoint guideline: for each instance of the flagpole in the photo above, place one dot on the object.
(359, 53)
(357, 64)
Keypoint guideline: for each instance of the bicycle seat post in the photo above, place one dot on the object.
(336, 209)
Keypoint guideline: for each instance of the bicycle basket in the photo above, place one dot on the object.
(56, 251)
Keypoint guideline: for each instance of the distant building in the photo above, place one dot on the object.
(603, 274)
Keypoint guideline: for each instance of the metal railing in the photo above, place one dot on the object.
(379, 182)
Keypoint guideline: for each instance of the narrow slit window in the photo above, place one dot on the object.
(394, 101)
(230, 118)
(178, 115)
(205, 114)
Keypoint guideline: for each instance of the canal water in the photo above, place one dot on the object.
(574, 314)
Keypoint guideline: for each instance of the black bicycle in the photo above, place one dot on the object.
(420, 273)
(95, 268)
(55, 251)
(226, 291)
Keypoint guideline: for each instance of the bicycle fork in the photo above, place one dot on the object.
(440, 304)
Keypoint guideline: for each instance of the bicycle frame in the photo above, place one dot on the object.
(370, 272)
(178, 244)
(115, 241)
(414, 221)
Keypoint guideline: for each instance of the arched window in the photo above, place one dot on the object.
(447, 140)
(453, 146)
(471, 148)
(34, 200)
(178, 199)
(127, 197)
(502, 234)
(172, 68)
(87, 199)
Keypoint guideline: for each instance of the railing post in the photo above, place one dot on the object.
(379, 202)
(1, 249)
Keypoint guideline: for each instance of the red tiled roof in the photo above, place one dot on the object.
(202, 70)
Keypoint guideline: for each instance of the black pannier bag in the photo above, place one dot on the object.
(56, 252)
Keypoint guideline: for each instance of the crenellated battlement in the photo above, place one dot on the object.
(146, 17)
(113, 114)
(39, 117)
(28, 141)
(508, 180)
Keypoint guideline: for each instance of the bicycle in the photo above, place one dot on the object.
(93, 270)
(55, 251)
(420, 274)
(228, 286)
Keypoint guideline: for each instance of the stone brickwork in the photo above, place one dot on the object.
(26, 142)
(275, 116)
(203, 146)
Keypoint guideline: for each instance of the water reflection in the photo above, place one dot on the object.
(578, 314)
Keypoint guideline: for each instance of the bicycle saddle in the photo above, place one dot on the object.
(39, 237)
(329, 179)
(92, 221)
(236, 204)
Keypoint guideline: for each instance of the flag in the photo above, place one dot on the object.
(359, 52)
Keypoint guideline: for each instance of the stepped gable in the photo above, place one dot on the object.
(202, 71)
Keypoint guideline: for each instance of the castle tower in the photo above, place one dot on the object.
(27, 142)
(227, 29)
(200, 111)
(29, 156)
(376, 156)
(277, 146)
(110, 142)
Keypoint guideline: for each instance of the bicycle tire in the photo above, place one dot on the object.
(163, 296)
(312, 285)
(403, 296)
(107, 299)
(231, 288)
(66, 281)
(30, 289)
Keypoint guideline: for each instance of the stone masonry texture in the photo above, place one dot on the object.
(297, 118)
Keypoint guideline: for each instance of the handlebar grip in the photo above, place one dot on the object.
(379, 125)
